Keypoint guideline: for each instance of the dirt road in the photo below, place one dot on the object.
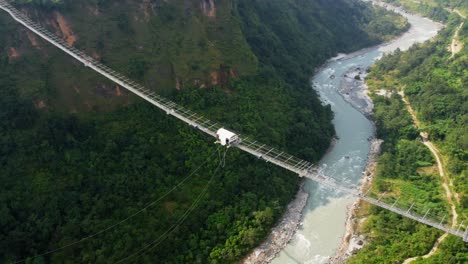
(456, 45)
(446, 182)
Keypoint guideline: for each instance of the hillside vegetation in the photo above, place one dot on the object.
(436, 86)
(438, 10)
(78, 154)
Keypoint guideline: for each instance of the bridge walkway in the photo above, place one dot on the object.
(257, 149)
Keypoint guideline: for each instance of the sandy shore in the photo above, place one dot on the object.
(282, 233)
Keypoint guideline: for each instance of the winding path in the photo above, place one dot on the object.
(253, 147)
(456, 45)
(459, 13)
(445, 179)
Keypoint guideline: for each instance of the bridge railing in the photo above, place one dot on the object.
(171, 108)
(433, 220)
(405, 208)
(269, 154)
(262, 151)
(424, 213)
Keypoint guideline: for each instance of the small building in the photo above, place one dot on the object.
(226, 137)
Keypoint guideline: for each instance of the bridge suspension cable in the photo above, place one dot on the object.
(162, 237)
(261, 151)
(115, 225)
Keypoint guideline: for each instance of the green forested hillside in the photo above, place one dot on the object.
(435, 83)
(435, 9)
(78, 154)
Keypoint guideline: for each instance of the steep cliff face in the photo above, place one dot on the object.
(163, 44)
(209, 8)
(241, 63)
(183, 43)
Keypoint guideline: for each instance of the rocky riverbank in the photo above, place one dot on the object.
(352, 241)
(355, 91)
(282, 233)
(285, 230)
(347, 74)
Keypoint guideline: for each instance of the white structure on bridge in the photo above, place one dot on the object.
(226, 137)
(261, 151)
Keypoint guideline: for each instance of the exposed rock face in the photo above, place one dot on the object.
(13, 54)
(33, 39)
(214, 78)
(118, 91)
(148, 9)
(208, 8)
(40, 104)
(65, 29)
(221, 76)
(282, 233)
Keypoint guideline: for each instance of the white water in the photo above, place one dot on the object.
(325, 213)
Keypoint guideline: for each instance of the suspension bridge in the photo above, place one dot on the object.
(251, 146)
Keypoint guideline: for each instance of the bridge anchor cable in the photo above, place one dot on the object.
(282, 159)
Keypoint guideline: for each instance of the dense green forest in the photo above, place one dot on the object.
(77, 155)
(436, 86)
(438, 10)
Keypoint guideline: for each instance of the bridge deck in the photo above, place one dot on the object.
(262, 151)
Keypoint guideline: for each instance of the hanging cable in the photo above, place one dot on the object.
(222, 157)
(162, 237)
(123, 220)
